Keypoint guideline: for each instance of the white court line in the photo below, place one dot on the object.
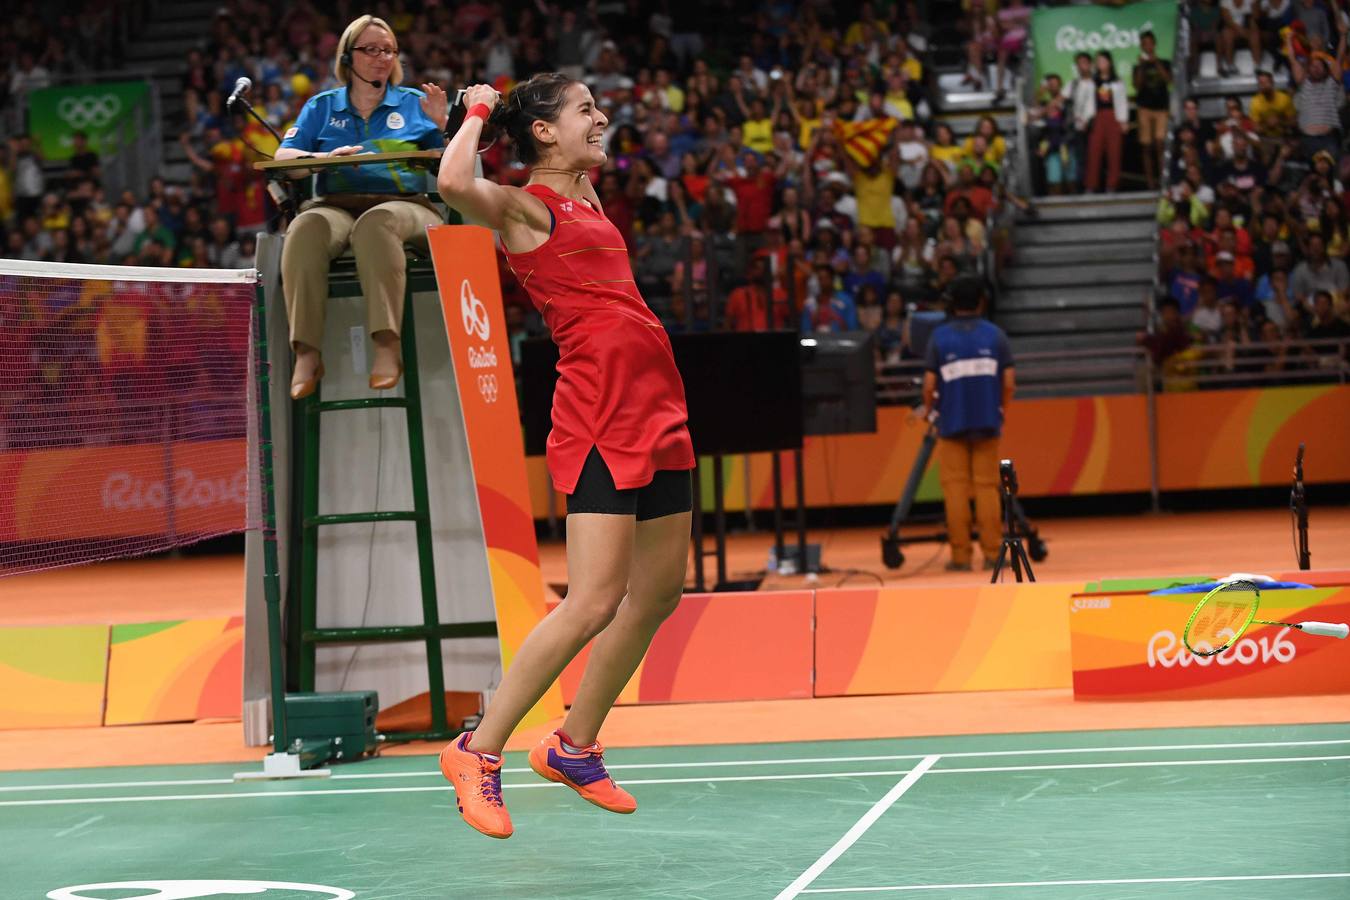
(1137, 765)
(722, 779)
(711, 764)
(20, 788)
(65, 832)
(716, 779)
(1074, 883)
(859, 828)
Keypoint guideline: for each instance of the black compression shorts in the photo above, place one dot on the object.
(668, 492)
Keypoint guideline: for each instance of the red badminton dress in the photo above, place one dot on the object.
(618, 387)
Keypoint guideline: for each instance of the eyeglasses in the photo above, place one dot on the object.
(373, 51)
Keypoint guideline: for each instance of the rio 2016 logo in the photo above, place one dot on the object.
(192, 890)
(1165, 650)
(473, 312)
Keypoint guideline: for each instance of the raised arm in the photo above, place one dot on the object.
(522, 219)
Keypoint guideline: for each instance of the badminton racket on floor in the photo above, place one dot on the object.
(1223, 615)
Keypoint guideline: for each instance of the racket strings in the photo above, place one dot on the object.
(1221, 618)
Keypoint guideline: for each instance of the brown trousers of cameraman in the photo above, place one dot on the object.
(969, 466)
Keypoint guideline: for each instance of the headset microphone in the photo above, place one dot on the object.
(346, 60)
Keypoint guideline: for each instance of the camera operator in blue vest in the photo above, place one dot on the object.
(968, 379)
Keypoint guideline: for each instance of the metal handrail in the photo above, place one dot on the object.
(1307, 359)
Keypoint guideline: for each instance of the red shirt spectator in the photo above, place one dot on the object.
(754, 197)
(748, 307)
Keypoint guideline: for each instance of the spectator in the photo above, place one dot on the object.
(1152, 85)
(1183, 284)
(1206, 21)
(1055, 145)
(748, 306)
(1318, 273)
(1206, 318)
(1273, 112)
(1106, 137)
(1081, 93)
(1318, 100)
(1171, 337)
(1325, 323)
(827, 308)
(1231, 286)
(1240, 23)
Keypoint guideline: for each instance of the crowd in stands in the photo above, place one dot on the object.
(1254, 231)
(767, 165)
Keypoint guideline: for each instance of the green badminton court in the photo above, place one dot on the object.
(1230, 812)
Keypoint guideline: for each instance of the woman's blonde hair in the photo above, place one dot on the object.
(344, 48)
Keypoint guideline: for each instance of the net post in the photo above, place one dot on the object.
(267, 492)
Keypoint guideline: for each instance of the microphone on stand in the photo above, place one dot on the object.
(241, 89)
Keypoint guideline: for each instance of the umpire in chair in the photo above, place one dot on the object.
(968, 377)
(374, 209)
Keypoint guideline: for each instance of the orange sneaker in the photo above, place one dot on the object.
(478, 787)
(583, 772)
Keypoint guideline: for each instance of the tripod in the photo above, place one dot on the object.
(892, 543)
(1011, 552)
(1298, 508)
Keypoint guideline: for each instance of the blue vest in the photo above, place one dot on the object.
(969, 356)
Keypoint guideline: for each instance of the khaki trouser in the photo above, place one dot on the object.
(963, 463)
(376, 232)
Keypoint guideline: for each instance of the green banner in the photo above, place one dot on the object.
(1061, 33)
(102, 111)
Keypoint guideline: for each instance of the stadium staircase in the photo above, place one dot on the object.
(175, 28)
(1080, 272)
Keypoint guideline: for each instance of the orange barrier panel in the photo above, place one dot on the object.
(1128, 647)
(53, 677)
(1246, 438)
(466, 277)
(175, 671)
(912, 640)
(732, 646)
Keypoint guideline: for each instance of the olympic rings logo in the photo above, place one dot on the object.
(487, 386)
(473, 312)
(82, 112)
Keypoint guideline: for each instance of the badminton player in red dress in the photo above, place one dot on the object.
(619, 448)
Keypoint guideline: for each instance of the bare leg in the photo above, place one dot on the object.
(599, 557)
(660, 555)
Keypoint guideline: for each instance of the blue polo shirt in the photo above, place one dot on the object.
(327, 121)
(969, 355)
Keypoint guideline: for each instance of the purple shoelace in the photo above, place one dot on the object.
(580, 771)
(491, 785)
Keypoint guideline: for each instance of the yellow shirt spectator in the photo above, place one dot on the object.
(950, 154)
(873, 192)
(758, 134)
(995, 152)
(1273, 116)
(674, 99)
(854, 35)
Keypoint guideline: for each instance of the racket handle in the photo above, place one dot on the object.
(1325, 629)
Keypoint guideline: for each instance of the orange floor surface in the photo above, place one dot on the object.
(1080, 550)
